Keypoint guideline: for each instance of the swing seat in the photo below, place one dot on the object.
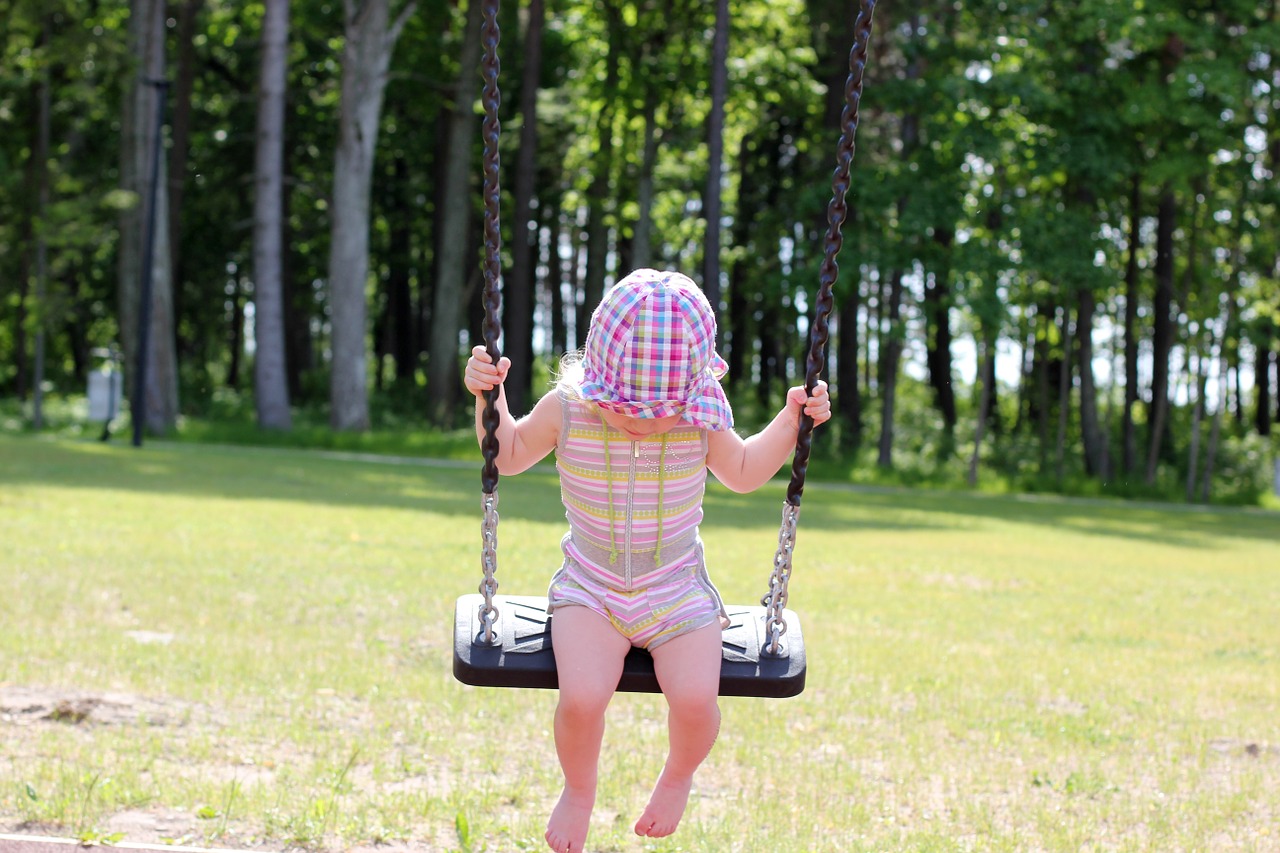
(524, 657)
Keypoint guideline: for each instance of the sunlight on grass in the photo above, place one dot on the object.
(232, 645)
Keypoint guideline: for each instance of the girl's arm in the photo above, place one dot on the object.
(744, 466)
(521, 443)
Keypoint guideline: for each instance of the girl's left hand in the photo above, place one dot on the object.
(817, 406)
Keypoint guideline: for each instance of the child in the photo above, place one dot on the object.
(635, 425)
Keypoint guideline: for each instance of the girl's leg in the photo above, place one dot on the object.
(589, 654)
(688, 669)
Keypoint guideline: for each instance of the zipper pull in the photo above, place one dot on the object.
(635, 450)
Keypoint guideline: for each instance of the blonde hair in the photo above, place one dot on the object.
(568, 376)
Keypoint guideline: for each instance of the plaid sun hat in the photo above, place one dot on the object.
(651, 352)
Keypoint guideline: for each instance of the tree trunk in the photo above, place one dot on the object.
(599, 191)
(452, 261)
(1026, 372)
(235, 334)
(711, 199)
(1262, 381)
(518, 300)
(556, 277)
(937, 311)
(41, 156)
(642, 244)
(1162, 338)
(366, 54)
(1129, 457)
(891, 354)
(1201, 380)
(1041, 368)
(184, 86)
(574, 280)
(1065, 382)
(1215, 431)
(400, 326)
(270, 381)
(1097, 457)
(160, 389)
(848, 388)
(298, 301)
(892, 343)
(987, 370)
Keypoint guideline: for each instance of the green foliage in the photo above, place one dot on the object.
(995, 161)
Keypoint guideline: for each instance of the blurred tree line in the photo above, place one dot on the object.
(1062, 258)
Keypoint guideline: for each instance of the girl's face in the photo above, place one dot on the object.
(636, 429)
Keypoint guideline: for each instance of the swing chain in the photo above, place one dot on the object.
(489, 562)
(775, 600)
(492, 298)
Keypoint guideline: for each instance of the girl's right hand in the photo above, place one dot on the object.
(481, 374)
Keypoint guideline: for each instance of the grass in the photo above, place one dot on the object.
(227, 646)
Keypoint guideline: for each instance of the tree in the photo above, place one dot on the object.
(518, 302)
(366, 55)
(454, 218)
(271, 389)
(712, 198)
(158, 360)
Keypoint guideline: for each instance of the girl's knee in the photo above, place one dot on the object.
(583, 705)
(694, 703)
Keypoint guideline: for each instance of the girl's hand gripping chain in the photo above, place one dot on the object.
(481, 373)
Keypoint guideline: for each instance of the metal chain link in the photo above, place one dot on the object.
(489, 561)
(775, 600)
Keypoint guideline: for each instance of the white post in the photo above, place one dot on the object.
(1276, 479)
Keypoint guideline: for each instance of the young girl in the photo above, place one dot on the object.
(635, 425)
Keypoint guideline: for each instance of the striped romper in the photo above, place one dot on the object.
(632, 553)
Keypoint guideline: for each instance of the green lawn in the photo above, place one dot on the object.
(234, 646)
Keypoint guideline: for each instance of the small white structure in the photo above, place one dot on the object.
(106, 387)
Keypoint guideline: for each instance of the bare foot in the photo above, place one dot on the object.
(666, 807)
(569, 822)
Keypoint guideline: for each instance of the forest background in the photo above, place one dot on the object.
(1061, 269)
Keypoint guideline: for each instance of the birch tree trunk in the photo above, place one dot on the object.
(366, 54)
(270, 383)
(452, 261)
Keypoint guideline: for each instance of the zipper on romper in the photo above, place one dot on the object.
(631, 494)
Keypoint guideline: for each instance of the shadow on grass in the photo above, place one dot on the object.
(452, 488)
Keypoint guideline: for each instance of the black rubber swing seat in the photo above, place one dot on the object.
(524, 657)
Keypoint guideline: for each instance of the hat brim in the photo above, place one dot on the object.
(705, 407)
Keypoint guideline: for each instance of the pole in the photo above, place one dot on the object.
(138, 404)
